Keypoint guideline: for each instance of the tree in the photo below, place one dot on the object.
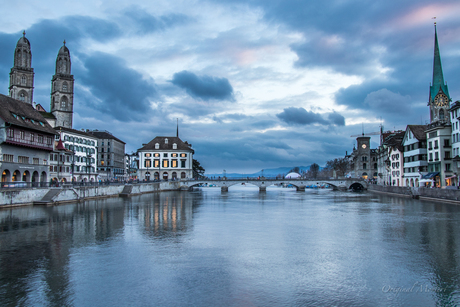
(295, 170)
(339, 165)
(198, 170)
(313, 171)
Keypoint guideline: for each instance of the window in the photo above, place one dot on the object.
(183, 155)
(32, 137)
(174, 163)
(174, 155)
(22, 159)
(165, 163)
(165, 155)
(166, 141)
(23, 80)
(436, 144)
(147, 163)
(36, 161)
(174, 146)
(22, 134)
(147, 155)
(40, 139)
(157, 146)
(182, 163)
(64, 87)
(7, 158)
(10, 133)
(156, 155)
(156, 163)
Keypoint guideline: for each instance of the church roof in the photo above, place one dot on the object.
(22, 114)
(438, 77)
(64, 50)
(23, 42)
(163, 145)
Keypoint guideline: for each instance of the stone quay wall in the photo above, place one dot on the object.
(433, 193)
(19, 197)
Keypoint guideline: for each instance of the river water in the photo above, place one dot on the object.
(240, 248)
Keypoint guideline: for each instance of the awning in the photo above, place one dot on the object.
(426, 180)
(430, 175)
(454, 176)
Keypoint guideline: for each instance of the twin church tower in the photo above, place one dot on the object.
(62, 84)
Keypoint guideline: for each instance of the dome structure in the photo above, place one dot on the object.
(292, 175)
(63, 61)
(22, 53)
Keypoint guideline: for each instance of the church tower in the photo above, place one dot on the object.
(62, 90)
(439, 100)
(22, 74)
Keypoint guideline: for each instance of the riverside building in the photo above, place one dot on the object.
(166, 158)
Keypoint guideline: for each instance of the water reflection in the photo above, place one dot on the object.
(280, 247)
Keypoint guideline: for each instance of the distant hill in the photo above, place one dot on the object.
(270, 172)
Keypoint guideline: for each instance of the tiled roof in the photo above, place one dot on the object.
(104, 135)
(418, 131)
(33, 119)
(161, 140)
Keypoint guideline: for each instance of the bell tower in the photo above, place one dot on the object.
(62, 90)
(439, 100)
(22, 74)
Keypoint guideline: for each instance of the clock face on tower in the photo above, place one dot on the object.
(440, 100)
(364, 146)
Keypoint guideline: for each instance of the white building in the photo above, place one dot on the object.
(415, 155)
(165, 158)
(84, 157)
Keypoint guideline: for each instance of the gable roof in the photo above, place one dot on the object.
(418, 131)
(161, 140)
(22, 114)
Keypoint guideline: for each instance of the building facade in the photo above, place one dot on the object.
(26, 141)
(415, 155)
(166, 158)
(110, 156)
(83, 147)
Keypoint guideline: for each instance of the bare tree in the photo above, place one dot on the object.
(339, 165)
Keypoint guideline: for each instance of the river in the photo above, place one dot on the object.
(240, 248)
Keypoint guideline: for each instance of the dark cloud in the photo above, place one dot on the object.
(336, 119)
(122, 92)
(147, 23)
(204, 87)
(300, 116)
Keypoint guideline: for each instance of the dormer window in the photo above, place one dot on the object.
(166, 141)
(157, 146)
(174, 146)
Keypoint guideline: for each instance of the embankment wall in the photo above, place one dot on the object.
(18, 197)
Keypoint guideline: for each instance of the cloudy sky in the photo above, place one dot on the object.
(254, 84)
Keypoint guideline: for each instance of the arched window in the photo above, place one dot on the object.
(441, 114)
(22, 96)
(23, 80)
(64, 87)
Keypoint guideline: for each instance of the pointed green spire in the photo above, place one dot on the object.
(438, 77)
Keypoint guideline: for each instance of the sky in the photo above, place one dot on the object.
(253, 84)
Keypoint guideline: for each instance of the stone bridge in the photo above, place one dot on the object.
(263, 183)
